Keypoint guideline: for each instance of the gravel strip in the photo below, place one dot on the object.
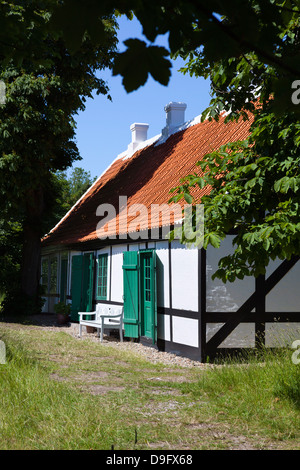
(49, 323)
(150, 353)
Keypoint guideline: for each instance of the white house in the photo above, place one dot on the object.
(111, 247)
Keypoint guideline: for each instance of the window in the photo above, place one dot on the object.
(147, 279)
(63, 278)
(45, 275)
(53, 275)
(102, 277)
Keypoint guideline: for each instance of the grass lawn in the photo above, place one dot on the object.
(61, 392)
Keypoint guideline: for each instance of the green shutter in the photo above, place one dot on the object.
(131, 293)
(76, 286)
(154, 287)
(53, 275)
(82, 284)
(45, 276)
(87, 283)
(148, 303)
(63, 279)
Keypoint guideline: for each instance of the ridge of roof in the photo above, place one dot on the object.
(157, 140)
(163, 138)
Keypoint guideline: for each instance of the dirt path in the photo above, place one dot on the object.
(165, 404)
(48, 322)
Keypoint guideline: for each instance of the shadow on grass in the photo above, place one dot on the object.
(43, 319)
(288, 386)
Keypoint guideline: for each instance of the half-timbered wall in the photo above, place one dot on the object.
(227, 297)
(249, 312)
(283, 299)
(198, 316)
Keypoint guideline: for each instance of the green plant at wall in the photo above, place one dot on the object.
(62, 308)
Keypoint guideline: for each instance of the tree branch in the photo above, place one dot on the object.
(260, 52)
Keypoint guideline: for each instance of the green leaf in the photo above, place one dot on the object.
(212, 239)
(286, 183)
(188, 198)
(251, 183)
(131, 66)
(159, 67)
(135, 64)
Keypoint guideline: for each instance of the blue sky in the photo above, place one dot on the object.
(103, 129)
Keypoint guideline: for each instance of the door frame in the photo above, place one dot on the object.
(153, 320)
(87, 288)
(133, 317)
(64, 268)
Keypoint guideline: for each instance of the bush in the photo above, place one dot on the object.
(16, 303)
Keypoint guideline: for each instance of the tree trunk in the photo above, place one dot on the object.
(32, 245)
(30, 261)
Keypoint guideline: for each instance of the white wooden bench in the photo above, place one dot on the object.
(105, 317)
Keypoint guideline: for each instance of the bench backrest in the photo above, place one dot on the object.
(106, 309)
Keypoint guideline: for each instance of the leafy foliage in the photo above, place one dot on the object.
(255, 194)
(254, 184)
(37, 128)
(247, 48)
(248, 37)
(69, 190)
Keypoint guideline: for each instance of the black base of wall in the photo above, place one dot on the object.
(147, 342)
(179, 349)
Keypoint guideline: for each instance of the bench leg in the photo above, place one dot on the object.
(121, 334)
(80, 330)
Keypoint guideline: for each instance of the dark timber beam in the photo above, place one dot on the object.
(260, 310)
(250, 304)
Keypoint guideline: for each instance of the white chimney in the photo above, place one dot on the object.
(174, 117)
(138, 135)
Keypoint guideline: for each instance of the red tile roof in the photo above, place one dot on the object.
(145, 178)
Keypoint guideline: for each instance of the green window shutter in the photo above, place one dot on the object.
(102, 277)
(53, 275)
(154, 287)
(148, 302)
(76, 286)
(63, 279)
(82, 284)
(87, 283)
(131, 293)
(45, 276)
